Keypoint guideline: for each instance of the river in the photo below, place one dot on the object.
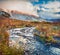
(33, 46)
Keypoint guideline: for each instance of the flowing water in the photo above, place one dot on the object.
(33, 46)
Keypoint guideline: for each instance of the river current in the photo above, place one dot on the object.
(32, 45)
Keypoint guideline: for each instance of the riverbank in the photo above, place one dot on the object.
(46, 28)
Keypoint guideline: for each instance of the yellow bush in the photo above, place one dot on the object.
(6, 50)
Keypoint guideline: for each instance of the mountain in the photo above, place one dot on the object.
(14, 14)
(22, 16)
(53, 20)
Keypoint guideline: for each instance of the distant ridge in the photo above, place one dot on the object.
(18, 12)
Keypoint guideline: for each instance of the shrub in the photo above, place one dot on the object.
(6, 50)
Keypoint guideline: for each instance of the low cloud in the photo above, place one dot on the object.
(20, 5)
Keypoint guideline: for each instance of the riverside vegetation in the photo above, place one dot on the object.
(47, 29)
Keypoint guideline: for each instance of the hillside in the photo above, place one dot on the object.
(46, 28)
(8, 23)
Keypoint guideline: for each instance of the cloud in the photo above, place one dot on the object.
(34, 0)
(51, 9)
(52, 6)
(13, 0)
(20, 5)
